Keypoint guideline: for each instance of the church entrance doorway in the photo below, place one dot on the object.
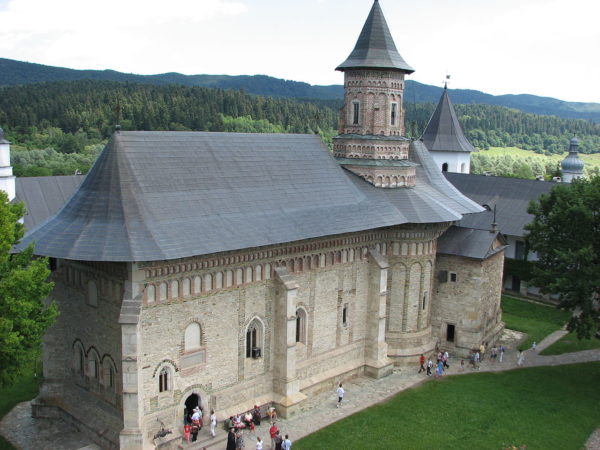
(190, 403)
(445, 167)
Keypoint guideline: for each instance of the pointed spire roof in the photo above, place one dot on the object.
(443, 132)
(375, 47)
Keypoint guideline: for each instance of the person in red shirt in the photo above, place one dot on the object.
(273, 432)
(422, 363)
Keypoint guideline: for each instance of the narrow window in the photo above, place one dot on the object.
(453, 277)
(424, 301)
(450, 333)
(300, 325)
(163, 380)
(345, 315)
(520, 250)
(191, 339)
(253, 340)
(81, 362)
(356, 112)
(394, 112)
(111, 377)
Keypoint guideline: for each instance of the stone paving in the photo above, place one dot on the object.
(318, 410)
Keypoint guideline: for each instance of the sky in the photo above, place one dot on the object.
(541, 47)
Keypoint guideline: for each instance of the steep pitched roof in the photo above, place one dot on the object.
(470, 243)
(44, 196)
(166, 195)
(511, 196)
(375, 47)
(443, 132)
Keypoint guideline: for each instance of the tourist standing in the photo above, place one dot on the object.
(340, 393)
(481, 351)
(502, 350)
(429, 366)
(239, 440)
(445, 357)
(273, 433)
(287, 444)
(421, 363)
(278, 441)
(256, 415)
(440, 369)
(259, 443)
(534, 346)
(213, 423)
(231, 440)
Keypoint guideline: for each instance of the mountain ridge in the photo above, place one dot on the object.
(14, 72)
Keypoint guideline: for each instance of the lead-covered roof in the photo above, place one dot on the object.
(167, 195)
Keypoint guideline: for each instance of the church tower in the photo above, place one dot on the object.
(7, 180)
(371, 142)
(572, 165)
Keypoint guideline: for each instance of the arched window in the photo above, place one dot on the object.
(301, 325)
(254, 335)
(267, 271)
(445, 167)
(239, 276)
(258, 272)
(174, 289)
(208, 282)
(218, 280)
(94, 366)
(92, 293)
(192, 337)
(151, 293)
(228, 278)
(163, 380)
(197, 285)
(248, 274)
(162, 291)
(186, 287)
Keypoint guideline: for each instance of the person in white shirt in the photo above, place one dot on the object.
(286, 444)
(340, 393)
(213, 422)
(259, 443)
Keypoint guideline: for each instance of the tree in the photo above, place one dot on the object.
(23, 288)
(565, 234)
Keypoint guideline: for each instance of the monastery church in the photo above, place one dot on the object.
(228, 270)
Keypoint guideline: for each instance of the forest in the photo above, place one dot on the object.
(60, 127)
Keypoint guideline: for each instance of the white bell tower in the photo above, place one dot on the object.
(7, 180)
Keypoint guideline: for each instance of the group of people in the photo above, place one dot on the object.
(193, 422)
(249, 421)
(440, 365)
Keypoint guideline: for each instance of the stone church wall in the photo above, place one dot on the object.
(469, 300)
(82, 350)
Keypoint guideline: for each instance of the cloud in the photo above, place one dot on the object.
(74, 32)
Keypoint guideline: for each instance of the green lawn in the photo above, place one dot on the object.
(540, 408)
(24, 389)
(570, 343)
(535, 319)
(590, 160)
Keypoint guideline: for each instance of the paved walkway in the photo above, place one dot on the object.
(319, 410)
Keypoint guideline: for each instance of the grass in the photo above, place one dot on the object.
(590, 160)
(25, 389)
(570, 343)
(535, 319)
(540, 408)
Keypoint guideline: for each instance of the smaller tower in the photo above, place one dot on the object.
(572, 165)
(445, 140)
(7, 180)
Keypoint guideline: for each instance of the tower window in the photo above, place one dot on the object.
(345, 315)
(450, 333)
(356, 112)
(453, 277)
(254, 339)
(394, 113)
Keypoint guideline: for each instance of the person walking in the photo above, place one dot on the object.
(440, 369)
(421, 363)
(340, 393)
(481, 351)
(502, 350)
(259, 443)
(213, 423)
(239, 440)
(287, 444)
(278, 441)
(429, 366)
(520, 358)
(534, 346)
(445, 357)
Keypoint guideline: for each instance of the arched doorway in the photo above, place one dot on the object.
(190, 403)
(445, 167)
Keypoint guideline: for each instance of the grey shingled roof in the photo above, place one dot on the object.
(511, 196)
(469, 243)
(44, 196)
(443, 132)
(167, 195)
(375, 47)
